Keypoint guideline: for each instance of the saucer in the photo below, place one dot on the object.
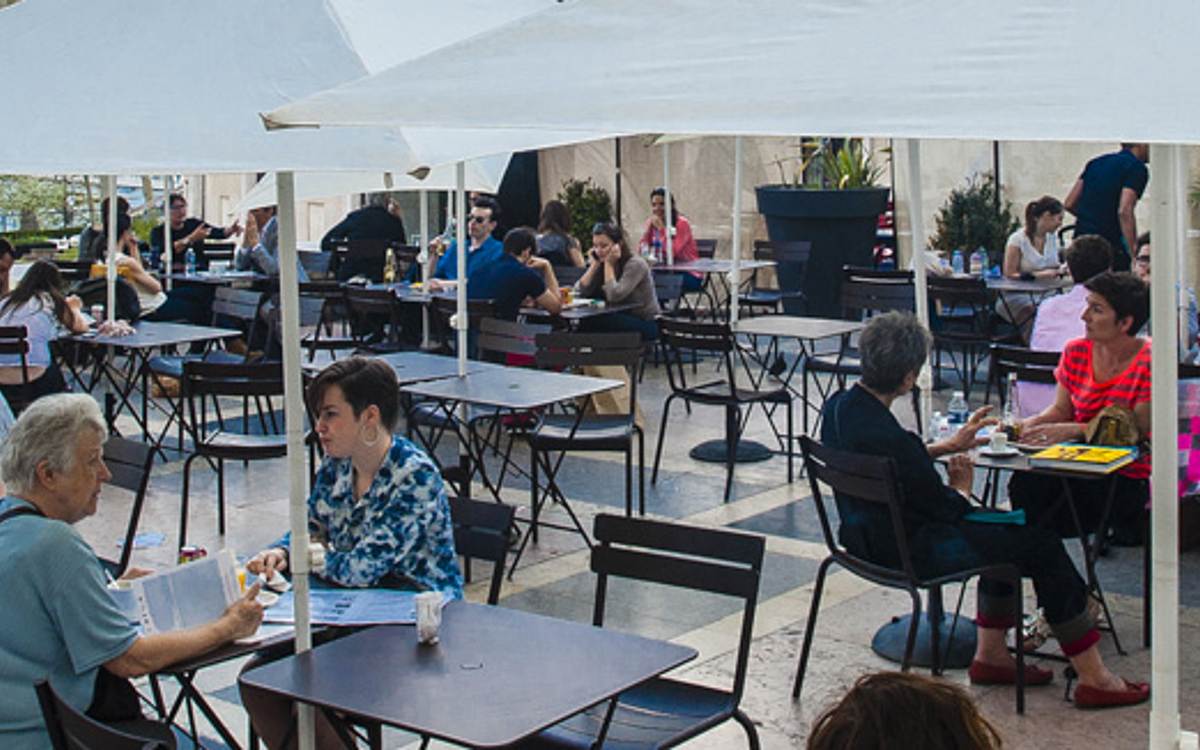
(1007, 452)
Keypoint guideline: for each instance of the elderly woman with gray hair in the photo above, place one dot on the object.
(893, 348)
(58, 621)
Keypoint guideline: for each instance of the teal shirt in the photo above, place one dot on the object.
(57, 621)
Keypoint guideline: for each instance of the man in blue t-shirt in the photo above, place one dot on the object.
(1105, 195)
(482, 248)
(516, 276)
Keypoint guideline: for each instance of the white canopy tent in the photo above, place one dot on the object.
(481, 174)
(970, 69)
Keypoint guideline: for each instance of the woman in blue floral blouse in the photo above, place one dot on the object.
(377, 505)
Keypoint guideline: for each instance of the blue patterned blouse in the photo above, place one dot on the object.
(401, 526)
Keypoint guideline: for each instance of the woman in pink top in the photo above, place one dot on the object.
(683, 243)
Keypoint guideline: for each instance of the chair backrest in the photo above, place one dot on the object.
(870, 479)
(706, 248)
(315, 264)
(359, 258)
(499, 338)
(239, 304)
(668, 287)
(205, 381)
(481, 532)
(968, 291)
(687, 341)
(866, 291)
(1029, 365)
(373, 312)
(15, 340)
(716, 561)
(70, 729)
(566, 349)
(568, 275)
(129, 462)
(446, 306)
(74, 270)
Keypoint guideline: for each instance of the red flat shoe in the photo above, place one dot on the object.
(982, 673)
(1090, 697)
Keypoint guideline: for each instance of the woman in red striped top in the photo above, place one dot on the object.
(1111, 365)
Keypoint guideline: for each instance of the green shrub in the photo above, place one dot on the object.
(588, 204)
(971, 218)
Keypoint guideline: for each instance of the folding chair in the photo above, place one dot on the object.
(71, 729)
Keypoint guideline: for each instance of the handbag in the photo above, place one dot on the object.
(1113, 425)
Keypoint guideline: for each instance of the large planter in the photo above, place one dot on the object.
(841, 226)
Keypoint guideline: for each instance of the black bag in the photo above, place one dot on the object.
(94, 291)
(114, 699)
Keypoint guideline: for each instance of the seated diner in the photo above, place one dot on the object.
(893, 348)
(617, 275)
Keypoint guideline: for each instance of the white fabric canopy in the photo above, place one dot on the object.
(482, 174)
(1019, 70)
(152, 87)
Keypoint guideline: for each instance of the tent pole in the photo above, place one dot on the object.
(168, 240)
(735, 255)
(423, 262)
(1169, 232)
(917, 221)
(668, 240)
(110, 191)
(461, 322)
(289, 301)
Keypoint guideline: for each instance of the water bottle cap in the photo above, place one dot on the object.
(958, 394)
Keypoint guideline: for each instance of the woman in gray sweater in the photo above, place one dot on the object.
(619, 277)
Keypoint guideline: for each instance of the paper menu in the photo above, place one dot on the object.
(188, 595)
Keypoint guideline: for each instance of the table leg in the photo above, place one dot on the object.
(957, 633)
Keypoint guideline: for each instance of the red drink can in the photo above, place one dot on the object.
(191, 553)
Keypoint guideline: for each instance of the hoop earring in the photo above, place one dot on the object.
(374, 439)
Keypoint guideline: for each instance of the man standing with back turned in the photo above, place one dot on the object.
(1104, 197)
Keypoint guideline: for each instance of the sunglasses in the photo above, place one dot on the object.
(601, 227)
(1143, 260)
(474, 218)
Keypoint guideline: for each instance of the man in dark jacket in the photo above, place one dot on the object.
(380, 220)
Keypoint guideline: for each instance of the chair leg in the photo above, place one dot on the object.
(221, 497)
(733, 420)
(662, 433)
(911, 641)
(751, 733)
(641, 438)
(183, 501)
(813, 608)
(629, 479)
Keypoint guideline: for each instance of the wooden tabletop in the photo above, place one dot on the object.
(497, 675)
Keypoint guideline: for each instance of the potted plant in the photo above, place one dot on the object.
(588, 204)
(833, 201)
(974, 217)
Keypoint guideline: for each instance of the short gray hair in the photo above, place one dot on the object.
(890, 347)
(38, 436)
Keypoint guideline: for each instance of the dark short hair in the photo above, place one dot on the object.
(6, 248)
(899, 709)
(891, 346)
(364, 381)
(1143, 240)
(1126, 294)
(176, 198)
(1088, 255)
(490, 203)
(519, 240)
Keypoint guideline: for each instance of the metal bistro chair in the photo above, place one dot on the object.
(374, 318)
(873, 479)
(961, 309)
(14, 340)
(204, 381)
(791, 262)
(129, 462)
(481, 532)
(682, 337)
(665, 712)
(71, 729)
(865, 292)
(323, 308)
(563, 432)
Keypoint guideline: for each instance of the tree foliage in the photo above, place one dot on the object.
(588, 204)
(973, 217)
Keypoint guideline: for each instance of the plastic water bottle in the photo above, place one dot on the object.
(956, 263)
(389, 267)
(656, 250)
(189, 262)
(958, 410)
(977, 261)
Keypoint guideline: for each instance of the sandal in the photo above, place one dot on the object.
(1035, 632)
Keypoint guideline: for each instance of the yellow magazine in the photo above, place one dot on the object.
(1091, 458)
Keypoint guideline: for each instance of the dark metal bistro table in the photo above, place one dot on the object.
(495, 677)
(1003, 288)
(147, 338)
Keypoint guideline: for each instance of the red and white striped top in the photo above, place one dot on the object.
(1088, 397)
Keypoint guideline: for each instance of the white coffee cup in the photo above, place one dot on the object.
(998, 442)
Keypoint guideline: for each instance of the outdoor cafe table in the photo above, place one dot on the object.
(495, 677)
(506, 390)
(570, 315)
(889, 640)
(709, 267)
(411, 366)
(1003, 288)
(147, 338)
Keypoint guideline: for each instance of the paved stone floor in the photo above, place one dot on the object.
(553, 579)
